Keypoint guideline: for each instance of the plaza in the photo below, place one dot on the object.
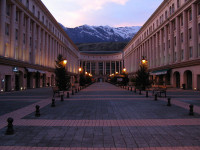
(101, 116)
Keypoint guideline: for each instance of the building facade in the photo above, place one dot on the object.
(170, 41)
(101, 64)
(30, 41)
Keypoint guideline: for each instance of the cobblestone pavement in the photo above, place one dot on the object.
(100, 117)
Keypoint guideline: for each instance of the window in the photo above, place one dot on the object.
(199, 50)
(16, 34)
(30, 41)
(170, 10)
(181, 20)
(182, 54)
(199, 9)
(166, 14)
(178, 3)
(173, 8)
(33, 10)
(174, 41)
(190, 15)
(169, 43)
(199, 28)
(17, 16)
(191, 52)
(7, 29)
(24, 38)
(38, 15)
(7, 9)
(42, 19)
(175, 57)
(190, 33)
(27, 4)
(181, 37)
(174, 25)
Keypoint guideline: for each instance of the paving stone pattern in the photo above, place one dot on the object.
(101, 117)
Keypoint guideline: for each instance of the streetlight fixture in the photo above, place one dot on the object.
(124, 70)
(80, 69)
(144, 61)
(64, 62)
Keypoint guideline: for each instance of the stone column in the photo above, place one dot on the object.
(105, 69)
(27, 39)
(2, 26)
(161, 48)
(12, 52)
(33, 44)
(194, 30)
(157, 50)
(20, 38)
(150, 52)
(166, 46)
(90, 67)
(185, 35)
(38, 54)
(115, 67)
(110, 67)
(119, 68)
(178, 40)
(154, 51)
(171, 43)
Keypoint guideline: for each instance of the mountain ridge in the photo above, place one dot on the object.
(99, 34)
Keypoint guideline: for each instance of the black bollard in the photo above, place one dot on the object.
(67, 94)
(147, 94)
(53, 102)
(156, 97)
(169, 101)
(128, 88)
(62, 98)
(140, 93)
(10, 129)
(37, 112)
(72, 92)
(191, 113)
(76, 91)
(131, 89)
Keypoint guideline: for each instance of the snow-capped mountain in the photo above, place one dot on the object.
(95, 34)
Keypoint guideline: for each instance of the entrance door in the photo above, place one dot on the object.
(189, 80)
(8, 83)
(17, 86)
(198, 82)
(177, 80)
(28, 80)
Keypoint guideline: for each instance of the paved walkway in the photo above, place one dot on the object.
(100, 117)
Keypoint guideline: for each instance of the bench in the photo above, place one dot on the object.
(159, 90)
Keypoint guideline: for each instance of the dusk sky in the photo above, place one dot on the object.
(115, 13)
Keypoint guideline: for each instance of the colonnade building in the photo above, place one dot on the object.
(30, 41)
(101, 64)
(170, 42)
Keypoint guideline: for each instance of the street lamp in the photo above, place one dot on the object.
(124, 70)
(80, 69)
(144, 61)
(64, 62)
